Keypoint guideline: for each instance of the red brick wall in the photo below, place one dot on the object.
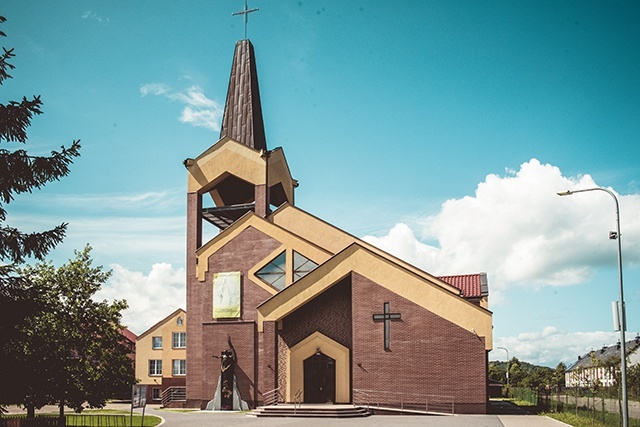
(428, 354)
(243, 337)
(267, 355)
(329, 313)
(208, 337)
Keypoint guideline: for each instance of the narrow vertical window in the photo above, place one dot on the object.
(179, 340)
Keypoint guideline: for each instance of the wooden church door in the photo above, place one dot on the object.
(319, 379)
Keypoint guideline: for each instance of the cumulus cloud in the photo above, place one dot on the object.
(150, 297)
(519, 231)
(550, 345)
(198, 110)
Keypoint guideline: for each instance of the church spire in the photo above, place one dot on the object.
(242, 120)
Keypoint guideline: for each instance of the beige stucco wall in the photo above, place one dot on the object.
(145, 351)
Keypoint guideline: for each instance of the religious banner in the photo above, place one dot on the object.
(226, 295)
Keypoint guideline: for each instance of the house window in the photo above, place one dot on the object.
(179, 367)
(301, 266)
(155, 367)
(156, 393)
(156, 342)
(274, 273)
(179, 340)
(179, 321)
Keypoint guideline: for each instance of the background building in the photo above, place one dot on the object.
(161, 362)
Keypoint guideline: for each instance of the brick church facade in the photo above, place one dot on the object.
(309, 309)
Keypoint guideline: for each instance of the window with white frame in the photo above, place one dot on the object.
(156, 343)
(179, 340)
(179, 367)
(155, 367)
(156, 393)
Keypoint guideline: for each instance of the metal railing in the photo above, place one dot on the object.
(272, 397)
(404, 402)
(297, 400)
(173, 394)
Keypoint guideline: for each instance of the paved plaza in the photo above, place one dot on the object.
(182, 418)
(205, 418)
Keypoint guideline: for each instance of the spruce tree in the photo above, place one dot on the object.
(20, 172)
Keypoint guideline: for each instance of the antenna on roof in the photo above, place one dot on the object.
(246, 13)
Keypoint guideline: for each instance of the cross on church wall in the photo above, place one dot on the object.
(246, 13)
(387, 317)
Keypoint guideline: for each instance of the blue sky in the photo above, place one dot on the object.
(438, 130)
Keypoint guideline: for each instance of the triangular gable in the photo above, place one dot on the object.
(161, 322)
(380, 269)
(335, 239)
(288, 239)
(225, 157)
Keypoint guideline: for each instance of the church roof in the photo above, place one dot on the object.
(242, 120)
(471, 285)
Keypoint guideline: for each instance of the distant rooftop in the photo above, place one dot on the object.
(471, 285)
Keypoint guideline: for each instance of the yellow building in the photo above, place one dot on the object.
(161, 358)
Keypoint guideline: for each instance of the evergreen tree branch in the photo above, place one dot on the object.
(20, 172)
(17, 246)
(15, 118)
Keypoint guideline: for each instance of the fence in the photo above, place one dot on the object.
(77, 420)
(405, 402)
(523, 394)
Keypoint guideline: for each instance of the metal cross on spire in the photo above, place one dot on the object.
(246, 13)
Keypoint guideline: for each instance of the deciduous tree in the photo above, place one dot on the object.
(76, 351)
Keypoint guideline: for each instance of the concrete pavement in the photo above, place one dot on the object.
(181, 418)
(206, 418)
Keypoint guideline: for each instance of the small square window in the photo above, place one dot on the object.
(156, 342)
(156, 393)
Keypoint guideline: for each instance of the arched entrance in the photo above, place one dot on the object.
(319, 379)
(297, 362)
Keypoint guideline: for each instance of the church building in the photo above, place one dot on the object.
(311, 312)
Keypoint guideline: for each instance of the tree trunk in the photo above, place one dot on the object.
(61, 421)
(31, 411)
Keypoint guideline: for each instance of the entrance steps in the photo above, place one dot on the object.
(310, 411)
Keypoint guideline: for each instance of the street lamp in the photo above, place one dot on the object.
(502, 348)
(623, 320)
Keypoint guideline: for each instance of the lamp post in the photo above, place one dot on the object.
(502, 348)
(622, 315)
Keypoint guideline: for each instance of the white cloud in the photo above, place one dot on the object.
(94, 16)
(150, 297)
(551, 345)
(520, 232)
(198, 110)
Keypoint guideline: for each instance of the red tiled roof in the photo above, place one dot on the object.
(129, 335)
(471, 285)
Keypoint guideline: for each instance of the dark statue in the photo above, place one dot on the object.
(227, 396)
(227, 362)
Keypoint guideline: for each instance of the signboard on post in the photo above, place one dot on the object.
(138, 400)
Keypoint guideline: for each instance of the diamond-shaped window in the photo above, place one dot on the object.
(301, 266)
(274, 273)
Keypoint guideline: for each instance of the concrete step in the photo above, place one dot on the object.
(310, 411)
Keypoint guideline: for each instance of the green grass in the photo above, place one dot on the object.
(572, 419)
(76, 420)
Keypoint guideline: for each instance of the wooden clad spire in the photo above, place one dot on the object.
(242, 119)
